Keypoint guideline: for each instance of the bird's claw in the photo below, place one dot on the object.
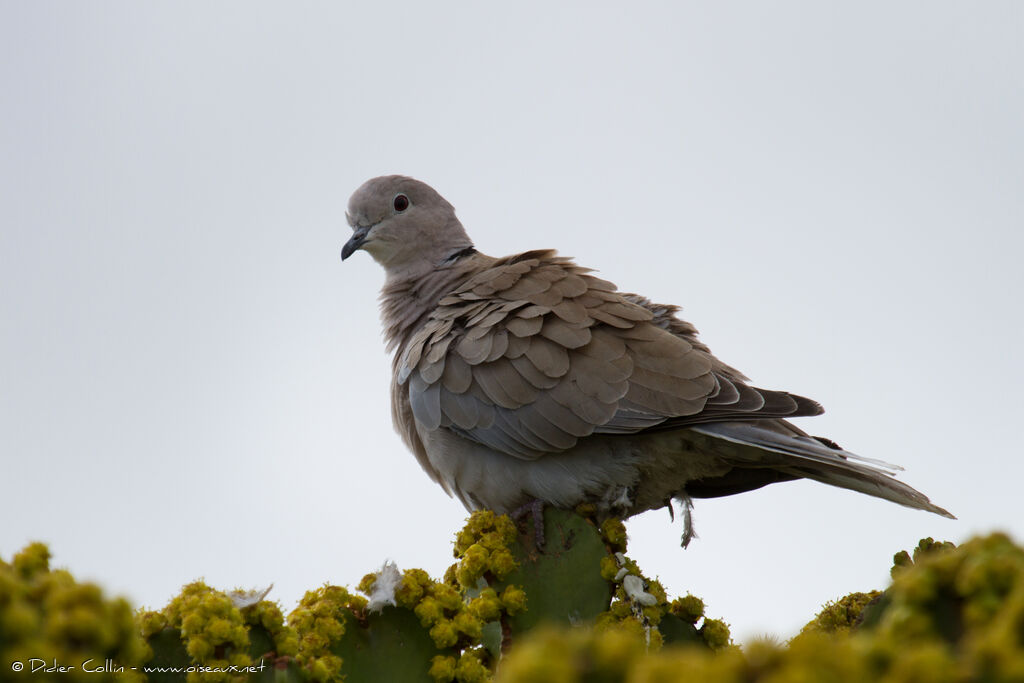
(534, 508)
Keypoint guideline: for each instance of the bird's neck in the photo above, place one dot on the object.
(406, 302)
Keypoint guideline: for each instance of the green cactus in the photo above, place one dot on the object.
(951, 614)
(233, 636)
(414, 627)
(577, 610)
(563, 584)
(580, 577)
(968, 600)
(386, 646)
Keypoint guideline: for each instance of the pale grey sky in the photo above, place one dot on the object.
(193, 385)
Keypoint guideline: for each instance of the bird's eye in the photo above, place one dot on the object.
(401, 203)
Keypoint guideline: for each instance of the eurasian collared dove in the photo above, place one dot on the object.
(526, 378)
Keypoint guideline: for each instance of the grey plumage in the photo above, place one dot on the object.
(527, 378)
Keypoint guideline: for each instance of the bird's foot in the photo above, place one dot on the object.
(534, 508)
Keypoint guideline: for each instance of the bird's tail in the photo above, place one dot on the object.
(792, 451)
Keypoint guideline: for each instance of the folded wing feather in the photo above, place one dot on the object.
(533, 353)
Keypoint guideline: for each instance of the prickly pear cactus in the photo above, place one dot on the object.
(574, 609)
(208, 635)
(407, 626)
(578, 576)
(952, 614)
(562, 581)
(54, 628)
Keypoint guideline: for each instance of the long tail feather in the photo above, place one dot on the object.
(805, 456)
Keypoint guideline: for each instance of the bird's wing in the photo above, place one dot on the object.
(533, 353)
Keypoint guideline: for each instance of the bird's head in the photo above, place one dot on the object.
(404, 224)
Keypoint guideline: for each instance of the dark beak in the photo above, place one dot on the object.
(358, 239)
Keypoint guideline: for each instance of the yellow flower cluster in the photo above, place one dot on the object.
(715, 633)
(468, 668)
(613, 532)
(952, 615)
(549, 655)
(483, 548)
(212, 629)
(639, 604)
(268, 616)
(689, 608)
(489, 604)
(49, 620)
(443, 612)
(964, 603)
(903, 560)
(456, 621)
(627, 613)
(319, 621)
(841, 615)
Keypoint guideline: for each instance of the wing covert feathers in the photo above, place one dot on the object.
(532, 353)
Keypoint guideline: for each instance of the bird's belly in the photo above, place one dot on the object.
(649, 469)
